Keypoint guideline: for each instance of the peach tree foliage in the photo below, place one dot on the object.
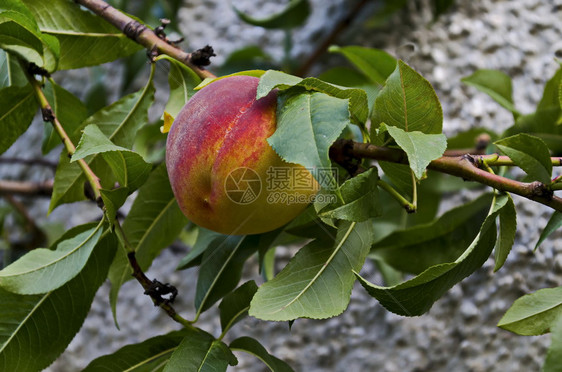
(45, 294)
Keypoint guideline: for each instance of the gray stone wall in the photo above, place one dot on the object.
(519, 37)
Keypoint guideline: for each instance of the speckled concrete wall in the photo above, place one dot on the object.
(519, 37)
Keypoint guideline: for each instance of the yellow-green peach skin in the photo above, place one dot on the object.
(224, 174)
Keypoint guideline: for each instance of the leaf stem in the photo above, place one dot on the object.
(414, 193)
(409, 207)
(143, 35)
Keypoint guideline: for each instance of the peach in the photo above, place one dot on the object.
(223, 172)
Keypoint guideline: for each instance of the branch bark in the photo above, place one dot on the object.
(465, 167)
(143, 35)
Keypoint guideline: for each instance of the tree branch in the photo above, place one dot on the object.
(145, 36)
(26, 188)
(465, 167)
(30, 162)
(321, 49)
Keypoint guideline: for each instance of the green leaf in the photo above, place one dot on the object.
(43, 270)
(149, 355)
(11, 73)
(553, 362)
(361, 199)
(120, 122)
(416, 296)
(153, 223)
(204, 239)
(85, 38)
(358, 106)
(553, 224)
(16, 112)
(347, 77)
(307, 125)
(70, 111)
(496, 84)
(535, 313)
(318, 280)
(420, 148)
(234, 307)
(409, 102)
(294, 15)
(221, 268)
(93, 141)
(252, 346)
(376, 64)
(508, 227)
(415, 249)
(530, 154)
(129, 168)
(182, 81)
(42, 326)
(199, 351)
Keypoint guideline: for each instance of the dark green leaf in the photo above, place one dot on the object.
(294, 15)
(11, 73)
(553, 362)
(43, 270)
(443, 240)
(204, 239)
(409, 102)
(553, 224)
(508, 227)
(149, 355)
(199, 351)
(69, 110)
(361, 199)
(376, 64)
(252, 346)
(496, 84)
(246, 58)
(535, 313)
(468, 139)
(420, 148)
(416, 296)
(348, 77)
(20, 35)
(221, 268)
(182, 81)
(85, 38)
(42, 326)
(318, 280)
(235, 305)
(154, 222)
(307, 125)
(16, 112)
(530, 154)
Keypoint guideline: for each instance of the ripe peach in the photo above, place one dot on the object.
(224, 174)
